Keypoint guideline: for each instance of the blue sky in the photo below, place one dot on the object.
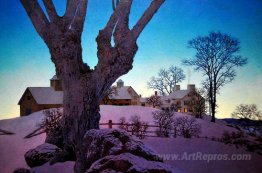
(25, 59)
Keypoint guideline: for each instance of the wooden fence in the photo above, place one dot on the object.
(150, 130)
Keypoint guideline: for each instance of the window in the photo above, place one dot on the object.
(185, 110)
(143, 104)
(28, 111)
(186, 102)
(179, 110)
(28, 97)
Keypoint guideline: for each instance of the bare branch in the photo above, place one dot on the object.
(79, 18)
(122, 28)
(147, 16)
(37, 16)
(51, 11)
(70, 10)
(75, 14)
(111, 24)
(166, 80)
(115, 4)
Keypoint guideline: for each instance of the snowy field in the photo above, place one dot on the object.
(13, 147)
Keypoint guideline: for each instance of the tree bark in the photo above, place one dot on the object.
(81, 99)
(213, 119)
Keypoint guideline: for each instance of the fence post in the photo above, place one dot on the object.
(110, 124)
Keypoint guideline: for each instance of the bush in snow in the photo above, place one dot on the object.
(53, 126)
(228, 138)
(186, 127)
(164, 120)
(123, 124)
(249, 117)
(52, 120)
(239, 139)
(138, 127)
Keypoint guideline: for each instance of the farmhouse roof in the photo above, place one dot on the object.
(45, 95)
(124, 92)
(179, 94)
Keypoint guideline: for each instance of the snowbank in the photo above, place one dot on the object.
(182, 148)
(13, 147)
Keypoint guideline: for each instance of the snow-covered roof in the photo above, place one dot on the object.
(46, 95)
(178, 94)
(124, 92)
(120, 80)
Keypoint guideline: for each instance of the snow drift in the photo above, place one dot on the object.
(13, 147)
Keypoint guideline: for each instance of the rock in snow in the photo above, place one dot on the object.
(127, 163)
(41, 154)
(104, 142)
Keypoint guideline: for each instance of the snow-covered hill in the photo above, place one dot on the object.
(13, 147)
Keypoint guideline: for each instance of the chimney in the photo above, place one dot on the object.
(155, 93)
(56, 83)
(120, 83)
(191, 87)
(177, 87)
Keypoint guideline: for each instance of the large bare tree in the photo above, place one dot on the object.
(166, 80)
(84, 87)
(216, 56)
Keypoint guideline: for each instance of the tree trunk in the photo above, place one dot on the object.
(213, 109)
(84, 88)
(211, 100)
(213, 104)
(81, 112)
(80, 100)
